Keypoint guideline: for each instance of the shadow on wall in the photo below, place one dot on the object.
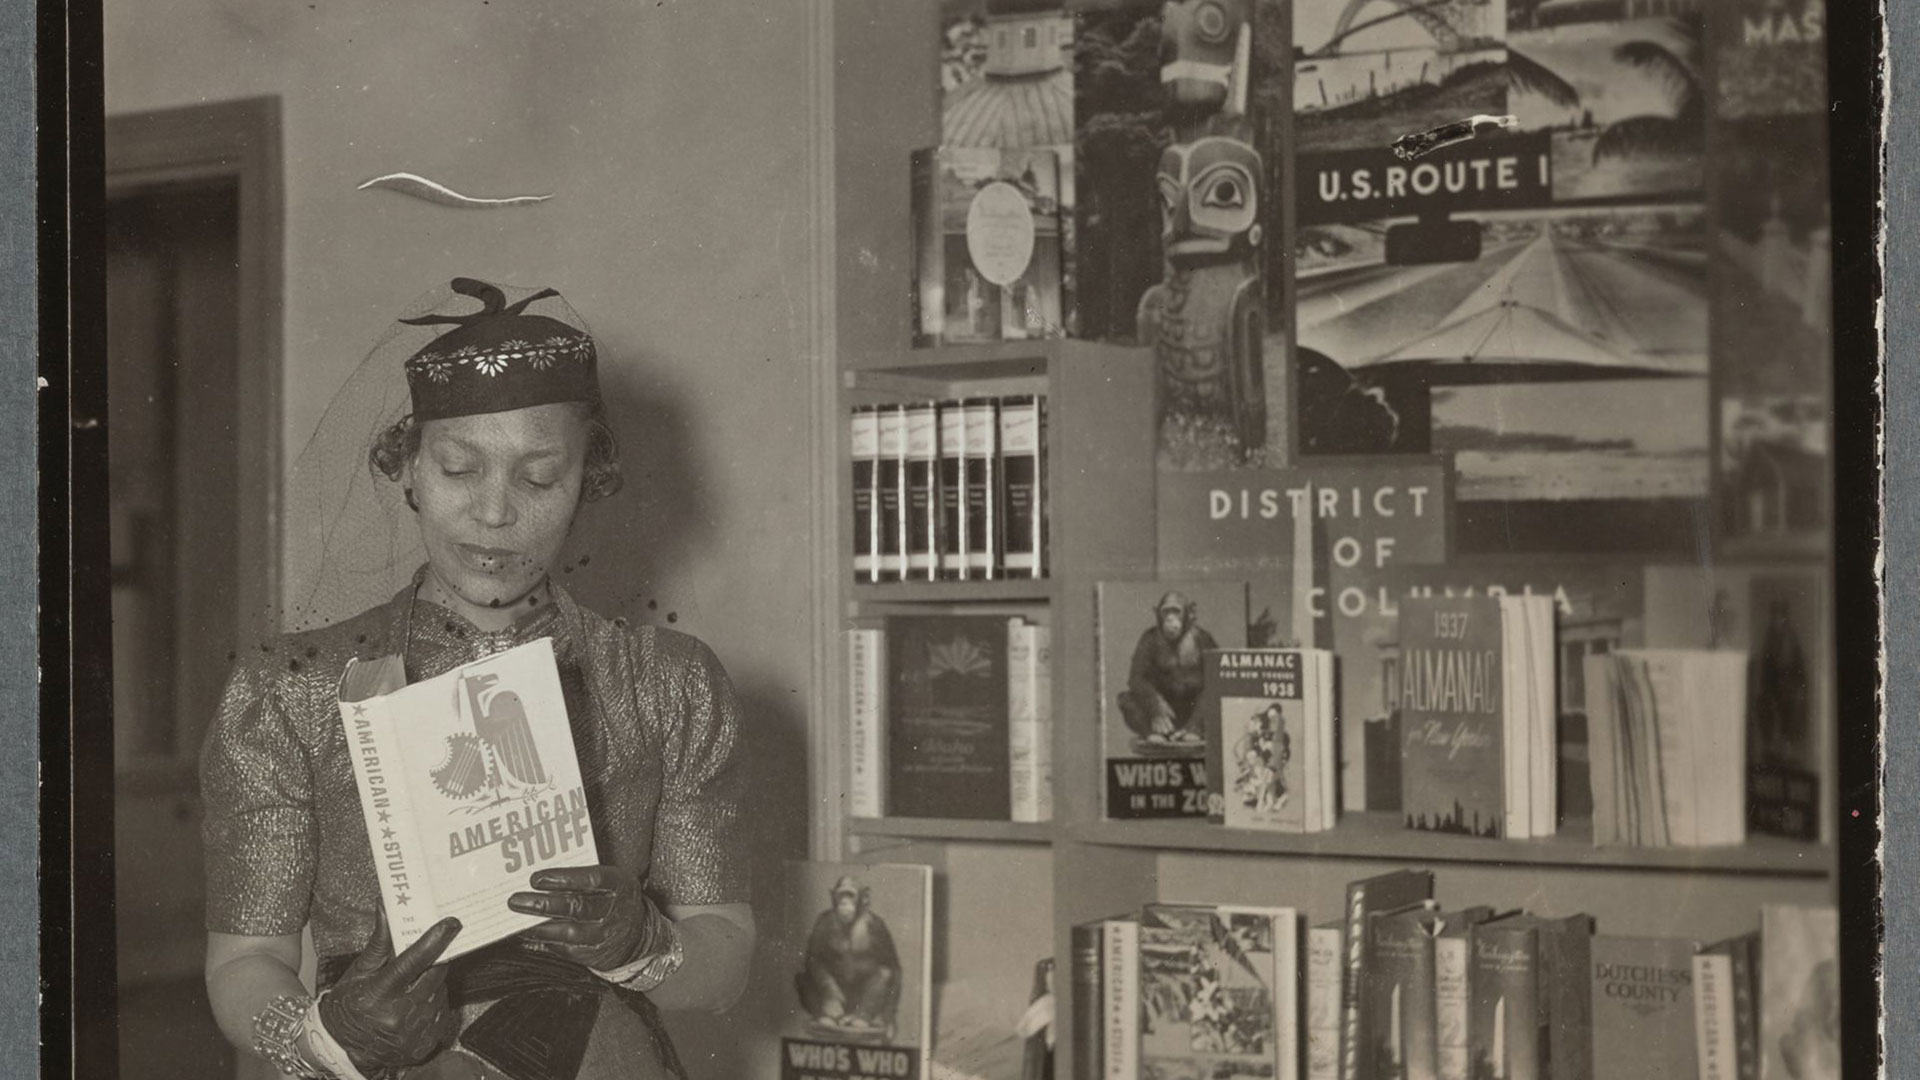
(632, 557)
(744, 1040)
(630, 554)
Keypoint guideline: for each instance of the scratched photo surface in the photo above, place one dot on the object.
(1366, 73)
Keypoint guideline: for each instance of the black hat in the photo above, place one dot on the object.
(499, 358)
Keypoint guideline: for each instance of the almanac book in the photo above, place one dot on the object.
(469, 783)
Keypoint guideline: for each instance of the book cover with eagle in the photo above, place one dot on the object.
(468, 784)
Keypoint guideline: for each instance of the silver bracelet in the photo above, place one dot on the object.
(276, 1030)
(661, 965)
(652, 969)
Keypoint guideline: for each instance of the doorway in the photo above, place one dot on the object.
(193, 331)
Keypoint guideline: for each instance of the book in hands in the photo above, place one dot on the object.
(468, 783)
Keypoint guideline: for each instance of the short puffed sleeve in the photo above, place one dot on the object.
(256, 779)
(699, 846)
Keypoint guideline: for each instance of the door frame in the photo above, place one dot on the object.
(236, 142)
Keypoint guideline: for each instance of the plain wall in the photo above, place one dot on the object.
(674, 138)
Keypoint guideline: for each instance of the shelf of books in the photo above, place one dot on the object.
(1367, 626)
(991, 832)
(976, 519)
(1385, 836)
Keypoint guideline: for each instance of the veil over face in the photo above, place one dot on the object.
(351, 541)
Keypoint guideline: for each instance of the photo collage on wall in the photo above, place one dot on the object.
(1595, 335)
(1601, 314)
(1533, 303)
(1772, 271)
(1178, 110)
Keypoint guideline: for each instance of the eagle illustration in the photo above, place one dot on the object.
(502, 744)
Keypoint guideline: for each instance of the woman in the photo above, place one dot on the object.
(504, 444)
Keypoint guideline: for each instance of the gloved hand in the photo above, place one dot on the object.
(387, 1010)
(599, 916)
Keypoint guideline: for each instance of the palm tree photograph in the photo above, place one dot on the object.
(1366, 72)
(1624, 102)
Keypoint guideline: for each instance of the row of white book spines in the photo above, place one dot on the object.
(1029, 721)
(949, 490)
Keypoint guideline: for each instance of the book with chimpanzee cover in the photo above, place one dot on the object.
(1153, 638)
(468, 783)
(856, 941)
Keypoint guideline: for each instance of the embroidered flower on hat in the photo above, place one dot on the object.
(501, 357)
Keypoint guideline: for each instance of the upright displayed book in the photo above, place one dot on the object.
(1270, 739)
(1530, 1016)
(469, 783)
(1715, 1046)
(1106, 1002)
(955, 526)
(1006, 80)
(1023, 476)
(1780, 617)
(947, 737)
(953, 490)
(866, 721)
(890, 493)
(1087, 971)
(1219, 988)
(1120, 997)
(1324, 978)
(923, 492)
(1505, 1029)
(987, 245)
(1799, 973)
(1153, 639)
(1727, 1008)
(1402, 989)
(1452, 1000)
(1030, 720)
(1643, 1006)
(857, 940)
(863, 447)
(1398, 890)
(1668, 729)
(980, 451)
(1476, 697)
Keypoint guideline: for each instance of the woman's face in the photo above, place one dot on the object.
(496, 495)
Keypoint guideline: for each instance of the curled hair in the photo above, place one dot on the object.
(600, 475)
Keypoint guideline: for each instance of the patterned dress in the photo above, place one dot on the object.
(658, 735)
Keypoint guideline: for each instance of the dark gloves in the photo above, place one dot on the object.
(600, 917)
(388, 1011)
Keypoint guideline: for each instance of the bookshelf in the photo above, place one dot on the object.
(1012, 891)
